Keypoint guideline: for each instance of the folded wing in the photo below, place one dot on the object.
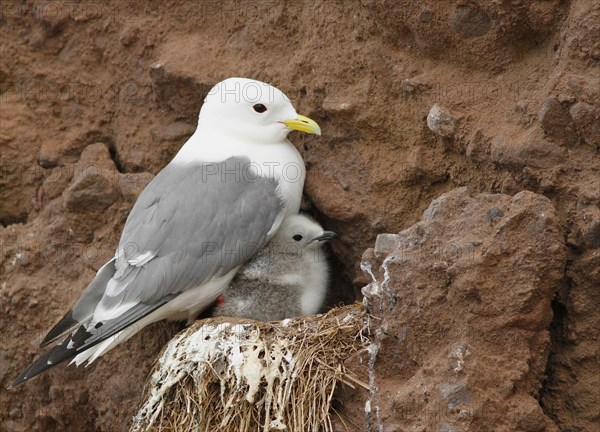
(191, 224)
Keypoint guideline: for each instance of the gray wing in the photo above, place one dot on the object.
(192, 223)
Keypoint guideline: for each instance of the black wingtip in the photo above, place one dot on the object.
(83, 339)
(60, 329)
(25, 376)
(54, 357)
(20, 380)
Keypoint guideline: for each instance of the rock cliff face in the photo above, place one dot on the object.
(488, 298)
(464, 298)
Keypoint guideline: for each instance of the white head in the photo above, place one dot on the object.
(252, 110)
(299, 232)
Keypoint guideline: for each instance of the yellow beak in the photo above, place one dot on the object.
(303, 124)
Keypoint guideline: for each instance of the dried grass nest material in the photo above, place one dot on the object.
(240, 375)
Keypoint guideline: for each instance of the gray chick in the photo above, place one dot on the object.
(286, 279)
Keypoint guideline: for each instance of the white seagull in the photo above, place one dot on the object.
(212, 208)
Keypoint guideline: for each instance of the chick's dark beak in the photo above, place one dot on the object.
(326, 236)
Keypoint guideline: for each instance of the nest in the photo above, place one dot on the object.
(240, 375)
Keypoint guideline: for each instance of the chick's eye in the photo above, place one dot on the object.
(297, 237)
(259, 108)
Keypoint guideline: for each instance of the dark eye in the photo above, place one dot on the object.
(259, 108)
(297, 237)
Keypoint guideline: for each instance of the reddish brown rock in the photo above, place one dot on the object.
(463, 304)
(56, 181)
(557, 122)
(584, 232)
(369, 74)
(415, 84)
(469, 21)
(574, 364)
(587, 120)
(177, 91)
(331, 198)
(526, 149)
(129, 35)
(20, 175)
(178, 132)
(95, 183)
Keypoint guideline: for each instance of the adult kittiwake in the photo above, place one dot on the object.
(213, 207)
(286, 279)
